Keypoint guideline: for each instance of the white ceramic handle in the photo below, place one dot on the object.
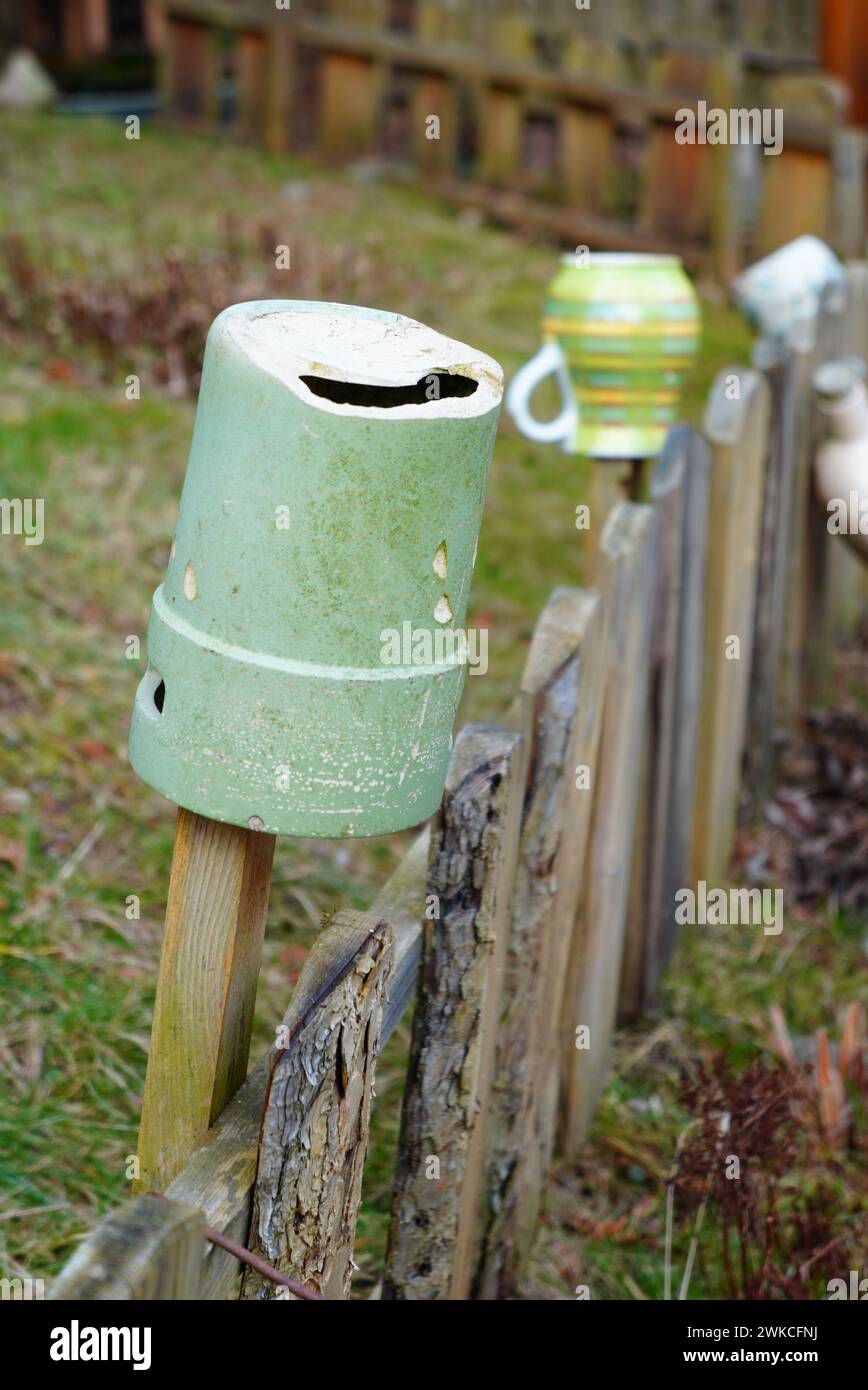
(549, 359)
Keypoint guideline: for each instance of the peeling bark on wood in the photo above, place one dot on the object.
(559, 711)
(474, 843)
(315, 1128)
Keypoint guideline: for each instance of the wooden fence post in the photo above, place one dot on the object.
(435, 96)
(797, 194)
(725, 214)
(559, 713)
(350, 107)
(791, 677)
(625, 578)
(679, 493)
(252, 80)
(280, 74)
(676, 178)
(151, 1249)
(220, 1176)
(209, 969)
(825, 558)
(736, 426)
(610, 481)
(314, 1132)
(776, 541)
(587, 135)
(474, 842)
(850, 174)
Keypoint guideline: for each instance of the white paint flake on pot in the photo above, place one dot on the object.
(189, 582)
(443, 609)
(441, 560)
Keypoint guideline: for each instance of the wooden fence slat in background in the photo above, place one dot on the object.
(825, 557)
(797, 194)
(559, 714)
(315, 1128)
(779, 367)
(474, 842)
(587, 135)
(435, 96)
(280, 110)
(850, 173)
(151, 1249)
(673, 194)
(625, 578)
(252, 73)
(856, 320)
(679, 493)
(350, 96)
(206, 991)
(736, 426)
(797, 602)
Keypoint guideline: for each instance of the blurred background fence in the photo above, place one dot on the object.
(551, 119)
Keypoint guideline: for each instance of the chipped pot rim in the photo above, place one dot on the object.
(290, 339)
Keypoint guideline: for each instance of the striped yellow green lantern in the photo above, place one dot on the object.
(620, 332)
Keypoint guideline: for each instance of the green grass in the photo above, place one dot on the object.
(78, 972)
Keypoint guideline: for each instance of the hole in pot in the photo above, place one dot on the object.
(434, 386)
(151, 694)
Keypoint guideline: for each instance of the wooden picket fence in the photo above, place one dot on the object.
(538, 906)
(550, 119)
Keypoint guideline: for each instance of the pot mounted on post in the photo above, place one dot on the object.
(785, 288)
(841, 462)
(620, 331)
(333, 496)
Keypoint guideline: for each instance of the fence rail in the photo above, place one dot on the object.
(540, 901)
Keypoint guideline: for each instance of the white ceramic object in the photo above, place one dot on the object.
(785, 288)
(547, 361)
(841, 464)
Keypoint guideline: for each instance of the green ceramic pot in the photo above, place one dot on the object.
(333, 494)
(620, 332)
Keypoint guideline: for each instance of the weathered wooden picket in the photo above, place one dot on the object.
(549, 876)
(542, 115)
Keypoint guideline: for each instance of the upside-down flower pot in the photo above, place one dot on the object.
(620, 332)
(785, 287)
(333, 496)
